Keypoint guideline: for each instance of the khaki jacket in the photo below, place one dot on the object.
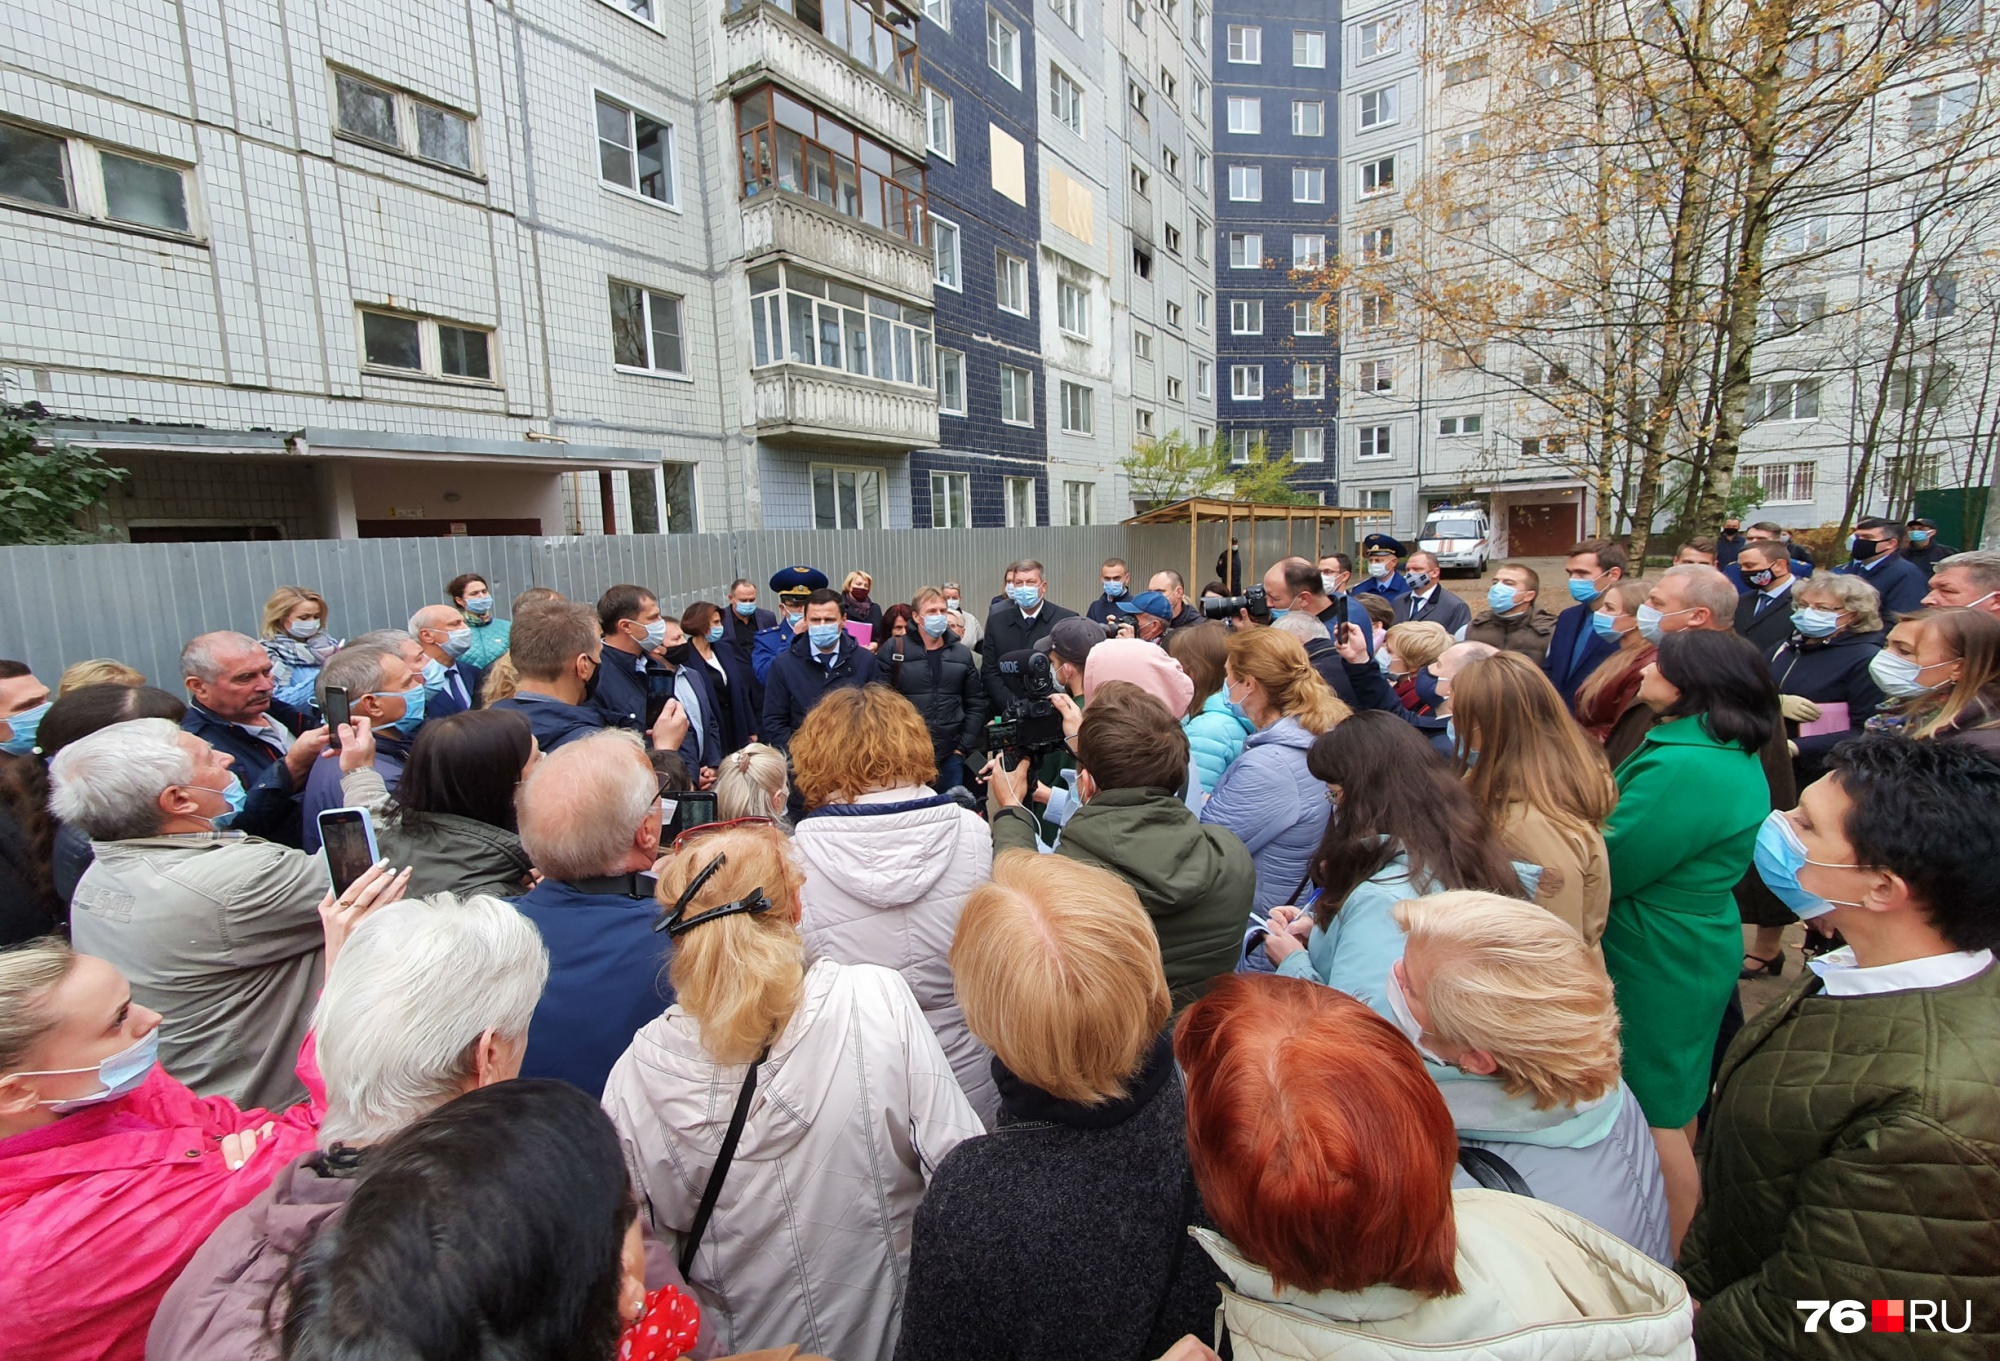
(1580, 889)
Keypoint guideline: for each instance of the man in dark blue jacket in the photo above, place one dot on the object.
(824, 657)
(590, 821)
(558, 654)
(1383, 552)
(637, 681)
(228, 680)
(1875, 555)
(445, 637)
(1575, 648)
(742, 621)
(1114, 581)
(794, 586)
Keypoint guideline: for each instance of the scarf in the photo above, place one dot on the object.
(1022, 1101)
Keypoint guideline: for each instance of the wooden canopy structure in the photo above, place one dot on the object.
(1196, 511)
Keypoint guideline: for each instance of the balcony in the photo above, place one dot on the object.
(824, 409)
(763, 40)
(803, 229)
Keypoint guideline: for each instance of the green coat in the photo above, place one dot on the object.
(1688, 812)
(1853, 1153)
(1195, 881)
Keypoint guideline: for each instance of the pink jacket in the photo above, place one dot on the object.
(100, 1210)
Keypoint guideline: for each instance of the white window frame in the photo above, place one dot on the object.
(1174, 393)
(1373, 443)
(1468, 423)
(1066, 10)
(1010, 279)
(650, 370)
(1308, 382)
(84, 192)
(948, 483)
(1309, 39)
(1201, 170)
(1080, 503)
(1246, 115)
(1372, 377)
(408, 141)
(1241, 442)
(1246, 184)
(1135, 97)
(1308, 250)
(1204, 379)
(1077, 402)
(1374, 310)
(1020, 489)
(1174, 315)
(1003, 44)
(880, 479)
(1373, 239)
(1072, 309)
(1308, 444)
(670, 135)
(936, 100)
(1252, 254)
(1308, 184)
(1308, 111)
(1201, 310)
(1142, 421)
(1246, 316)
(430, 347)
(1309, 318)
(956, 280)
(1008, 374)
(954, 360)
(1142, 345)
(1377, 38)
(939, 13)
(1065, 89)
(1373, 170)
(1198, 30)
(1783, 482)
(1246, 45)
(1381, 113)
(1797, 393)
(1246, 382)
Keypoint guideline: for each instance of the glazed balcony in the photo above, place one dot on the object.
(856, 60)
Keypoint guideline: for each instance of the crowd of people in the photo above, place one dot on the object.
(1335, 967)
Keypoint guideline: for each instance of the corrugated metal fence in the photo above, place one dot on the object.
(140, 602)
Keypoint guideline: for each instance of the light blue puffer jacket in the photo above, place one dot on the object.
(1215, 738)
(1272, 802)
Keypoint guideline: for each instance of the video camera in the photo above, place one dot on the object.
(1252, 602)
(1031, 727)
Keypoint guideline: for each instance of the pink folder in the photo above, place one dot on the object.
(864, 634)
(1832, 718)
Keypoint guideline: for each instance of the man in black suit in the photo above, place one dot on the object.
(445, 637)
(1428, 601)
(1875, 554)
(1024, 620)
(742, 621)
(1764, 612)
(1576, 648)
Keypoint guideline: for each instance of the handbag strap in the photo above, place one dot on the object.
(1492, 1171)
(720, 1173)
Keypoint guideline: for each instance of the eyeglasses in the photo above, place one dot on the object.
(693, 832)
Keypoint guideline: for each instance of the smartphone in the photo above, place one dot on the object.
(1340, 628)
(336, 714)
(349, 839)
(692, 808)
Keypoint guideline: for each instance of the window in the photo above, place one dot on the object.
(846, 498)
(1378, 176)
(1936, 112)
(1201, 309)
(1815, 54)
(1080, 503)
(951, 501)
(1308, 444)
(1170, 161)
(799, 317)
(33, 168)
(1246, 382)
(1204, 379)
(1908, 387)
(1541, 373)
(1242, 443)
(401, 122)
(1142, 183)
(1459, 72)
(1066, 10)
(1378, 107)
(1308, 382)
(1376, 310)
(1010, 283)
(1929, 299)
(646, 330)
(1464, 143)
(1459, 425)
(56, 172)
(1378, 243)
(1003, 48)
(421, 345)
(1174, 314)
(1938, 19)
(1174, 390)
(1246, 184)
(1544, 446)
(1803, 234)
(1794, 316)
(1201, 170)
(1017, 395)
(1076, 409)
(1072, 308)
(1135, 96)
(1246, 114)
(1308, 318)
(1309, 48)
(1199, 104)
(944, 253)
(1168, 87)
(1020, 502)
(1065, 99)
(1308, 184)
(1142, 261)
(1309, 251)
(1142, 421)
(784, 143)
(1375, 375)
(1459, 359)
(1142, 345)
(1201, 241)
(1376, 38)
(1308, 118)
(1246, 45)
(939, 13)
(143, 193)
(1135, 10)
(1246, 250)
(1469, 217)
(951, 382)
(937, 123)
(1371, 441)
(392, 342)
(1204, 438)
(1785, 483)
(635, 152)
(1795, 400)
(1246, 316)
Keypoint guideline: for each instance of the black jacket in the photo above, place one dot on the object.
(1929, 555)
(444, 703)
(1362, 686)
(1063, 1234)
(797, 680)
(1901, 583)
(945, 686)
(1574, 651)
(554, 722)
(1773, 626)
(1442, 608)
(271, 807)
(630, 693)
(1833, 671)
(739, 638)
(1007, 631)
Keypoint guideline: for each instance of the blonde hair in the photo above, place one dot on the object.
(98, 671)
(1049, 978)
(1277, 661)
(1419, 642)
(1517, 981)
(502, 681)
(750, 783)
(1847, 592)
(740, 977)
(857, 740)
(1633, 649)
(1973, 636)
(286, 599)
(1530, 750)
(27, 975)
(847, 582)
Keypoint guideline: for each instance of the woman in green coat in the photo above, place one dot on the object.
(1690, 802)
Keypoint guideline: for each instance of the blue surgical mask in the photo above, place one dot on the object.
(1500, 597)
(234, 795)
(1920, 538)
(434, 674)
(746, 608)
(1382, 660)
(1406, 1020)
(25, 726)
(121, 1073)
(656, 635)
(936, 624)
(715, 632)
(1583, 590)
(480, 609)
(823, 635)
(1779, 857)
(1603, 625)
(1027, 597)
(413, 709)
(303, 629)
(1113, 589)
(1279, 614)
(1900, 677)
(458, 642)
(1815, 623)
(1649, 622)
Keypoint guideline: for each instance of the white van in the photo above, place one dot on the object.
(1459, 536)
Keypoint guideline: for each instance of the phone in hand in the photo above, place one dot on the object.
(692, 808)
(1343, 627)
(336, 714)
(348, 836)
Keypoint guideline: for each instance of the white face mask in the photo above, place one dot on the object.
(1406, 1020)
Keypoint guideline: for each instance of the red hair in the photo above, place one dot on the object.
(1322, 1148)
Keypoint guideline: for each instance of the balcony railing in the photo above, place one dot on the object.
(879, 36)
(808, 231)
(828, 409)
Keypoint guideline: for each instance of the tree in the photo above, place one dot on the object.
(44, 489)
(1172, 468)
(1261, 478)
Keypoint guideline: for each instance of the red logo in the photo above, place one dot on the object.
(1885, 1316)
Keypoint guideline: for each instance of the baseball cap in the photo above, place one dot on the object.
(1154, 603)
(1072, 639)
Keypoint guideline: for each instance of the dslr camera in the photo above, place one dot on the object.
(1252, 602)
(1031, 727)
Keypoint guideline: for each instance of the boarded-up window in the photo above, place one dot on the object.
(1071, 207)
(1010, 165)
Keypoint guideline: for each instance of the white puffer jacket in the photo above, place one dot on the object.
(1536, 1284)
(886, 877)
(854, 1110)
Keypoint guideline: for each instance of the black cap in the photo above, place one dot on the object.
(1382, 543)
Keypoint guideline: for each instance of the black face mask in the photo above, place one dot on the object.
(590, 684)
(1865, 549)
(678, 654)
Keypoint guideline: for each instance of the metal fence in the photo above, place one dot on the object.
(140, 602)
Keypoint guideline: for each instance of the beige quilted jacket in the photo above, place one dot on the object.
(1538, 1284)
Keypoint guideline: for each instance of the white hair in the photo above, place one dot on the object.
(415, 987)
(199, 659)
(1707, 588)
(1982, 565)
(423, 617)
(1300, 625)
(109, 783)
(581, 804)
